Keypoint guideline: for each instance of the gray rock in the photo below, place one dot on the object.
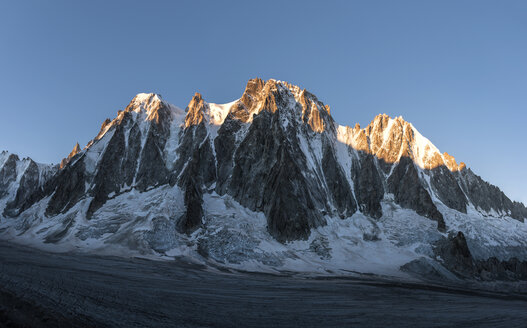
(488, 197)
(8, 174)
(337, 183)
(268, 176)
(30, 187)
(225, 145)
(369, 189)
(193, 215)
(407, 188)
(320, 246)
(447, 189)
(66, 188)
(429, 270)
(109, 176)
(455, 255)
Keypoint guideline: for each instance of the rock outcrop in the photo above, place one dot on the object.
(191, 220)
(455, 255)
(74, 152)
(410, 193)
(487, 197)
(22, 182)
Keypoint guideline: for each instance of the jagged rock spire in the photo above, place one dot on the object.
(74, 152)
(194, 110)
(251, 95)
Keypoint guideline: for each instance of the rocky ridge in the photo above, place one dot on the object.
(74, 152)
(275, 151)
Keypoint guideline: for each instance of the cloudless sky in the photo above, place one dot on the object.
(456, 69)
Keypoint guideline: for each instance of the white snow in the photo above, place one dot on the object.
(237, 238)
(95, 151)
(142, 103)
(218, 112)
(422, 149)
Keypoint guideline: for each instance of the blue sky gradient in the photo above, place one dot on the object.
(456, 69)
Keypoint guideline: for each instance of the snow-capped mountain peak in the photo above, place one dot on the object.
(151, 105)
(390, 139)
(271, 168)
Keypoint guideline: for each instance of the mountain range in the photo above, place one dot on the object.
(268, 182)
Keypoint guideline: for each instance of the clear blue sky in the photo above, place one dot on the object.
(456, 69)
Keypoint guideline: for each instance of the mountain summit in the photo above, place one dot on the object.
(271, 168)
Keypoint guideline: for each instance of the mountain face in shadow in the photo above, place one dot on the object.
(275, 151)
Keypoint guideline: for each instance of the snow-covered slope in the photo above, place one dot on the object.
(267, 182)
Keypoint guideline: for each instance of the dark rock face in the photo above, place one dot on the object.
(191, 220)
(190, 140)
(445, 186)
(487, 197)
(152, 170)
(519, 211)
(124, 159)
(108, 177)
(288, 203)
(29, 183)
(456, 257)
(269, 168)
(369, 189)
(194, 139)
(132, 154)
(30, 187)
(203, 167)
(338, 186)
(126, 162)
(407, 188)
(250, 167)
(195, 142)
(8, 174)
(494, 269)
(67, 188)
(225, 144)
(267, 176)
